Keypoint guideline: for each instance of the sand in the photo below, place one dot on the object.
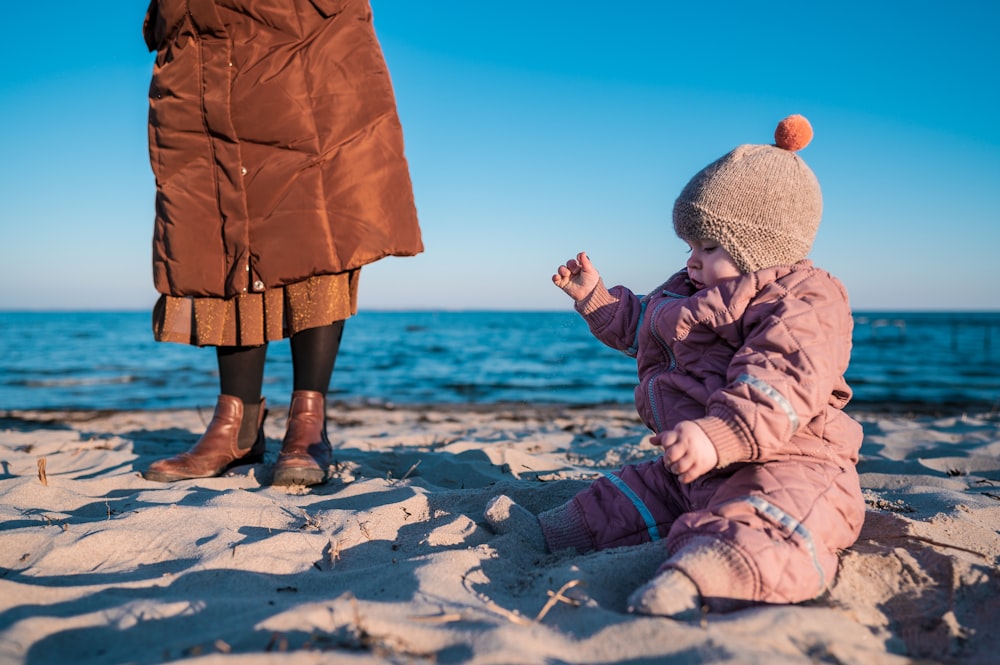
(392, 562)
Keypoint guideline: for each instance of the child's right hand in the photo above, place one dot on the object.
(577, 278)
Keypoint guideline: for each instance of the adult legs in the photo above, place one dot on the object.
(305, 450)
(314, 352)
(241, 375)
(241, 371)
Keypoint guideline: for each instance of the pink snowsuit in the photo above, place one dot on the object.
(758, 363)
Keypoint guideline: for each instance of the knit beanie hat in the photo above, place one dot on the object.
(760, 202)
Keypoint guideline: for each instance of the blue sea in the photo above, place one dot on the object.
(913, 362)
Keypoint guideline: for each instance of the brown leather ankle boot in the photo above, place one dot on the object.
(305, 451)
(217, 450)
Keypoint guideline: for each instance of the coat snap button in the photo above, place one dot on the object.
(258, 285)
(243, 170)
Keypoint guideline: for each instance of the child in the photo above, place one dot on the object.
(741, 360)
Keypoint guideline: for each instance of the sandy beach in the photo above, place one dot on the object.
(392, 562)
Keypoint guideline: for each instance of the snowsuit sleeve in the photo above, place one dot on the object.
(788, 373)
(613, 316)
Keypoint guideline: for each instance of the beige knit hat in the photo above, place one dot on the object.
(760, 202)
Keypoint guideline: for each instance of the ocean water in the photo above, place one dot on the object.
(108, 360)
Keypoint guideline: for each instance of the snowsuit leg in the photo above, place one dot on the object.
(769, 533)
(634, 505)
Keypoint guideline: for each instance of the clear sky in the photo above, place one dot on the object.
(540, 129)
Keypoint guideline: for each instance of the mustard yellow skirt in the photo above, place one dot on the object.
(257, 318)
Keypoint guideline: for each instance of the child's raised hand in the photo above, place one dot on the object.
(687, 451)
(578, 277)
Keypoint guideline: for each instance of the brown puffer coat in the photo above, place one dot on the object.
(275, 143)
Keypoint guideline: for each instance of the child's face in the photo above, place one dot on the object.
(709, 264)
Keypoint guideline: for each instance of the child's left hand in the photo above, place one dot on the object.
(687, 451)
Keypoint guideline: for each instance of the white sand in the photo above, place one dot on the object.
(391, 562)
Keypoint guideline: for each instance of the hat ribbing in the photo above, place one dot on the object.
(762, 203)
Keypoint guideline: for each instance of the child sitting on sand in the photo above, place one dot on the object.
(741, 359)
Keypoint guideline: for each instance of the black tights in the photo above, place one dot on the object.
(314, 352)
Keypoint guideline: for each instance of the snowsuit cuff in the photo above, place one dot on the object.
(728, 442)
(564, 527)
(597, 306)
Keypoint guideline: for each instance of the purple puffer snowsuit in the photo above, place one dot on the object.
(758, 362)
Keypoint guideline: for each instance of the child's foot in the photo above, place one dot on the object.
(669, 594)
(505, 516)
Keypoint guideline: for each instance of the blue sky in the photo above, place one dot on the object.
(538, 130)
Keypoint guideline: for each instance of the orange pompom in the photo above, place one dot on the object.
(793, 133)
